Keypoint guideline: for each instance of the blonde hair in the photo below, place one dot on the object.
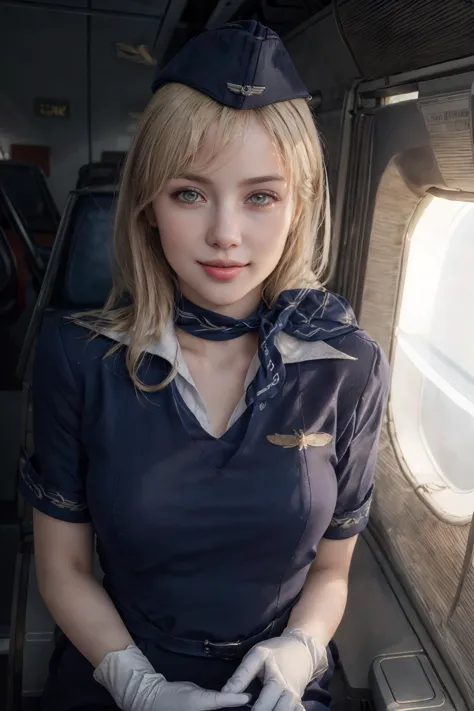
(172, 130)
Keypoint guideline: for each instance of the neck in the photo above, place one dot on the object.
(239, 309)
(218, 351)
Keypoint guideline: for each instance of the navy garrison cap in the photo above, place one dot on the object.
(242, 64)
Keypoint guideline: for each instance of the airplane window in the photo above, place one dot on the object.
(432, 398)
(399, 98)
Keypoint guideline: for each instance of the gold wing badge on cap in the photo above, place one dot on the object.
(300, 439)
(246, 90)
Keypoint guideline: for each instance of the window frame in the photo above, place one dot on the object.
(445, 501)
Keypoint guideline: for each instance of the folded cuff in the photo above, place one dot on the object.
(47, 498)
(350, 523)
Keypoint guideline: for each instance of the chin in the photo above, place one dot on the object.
(222, 295)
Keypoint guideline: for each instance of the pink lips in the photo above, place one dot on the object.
(222, 271)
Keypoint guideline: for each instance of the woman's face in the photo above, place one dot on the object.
(223, 225)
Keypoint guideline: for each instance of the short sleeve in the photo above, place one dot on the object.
(53, 480)
(357, 454)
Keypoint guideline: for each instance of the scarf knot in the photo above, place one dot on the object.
(306, 314)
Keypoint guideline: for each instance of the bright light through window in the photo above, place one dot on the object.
(400, 98)
(432, 399)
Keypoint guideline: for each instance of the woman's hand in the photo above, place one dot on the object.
(157, 694)
(135, 686)
(285, 665)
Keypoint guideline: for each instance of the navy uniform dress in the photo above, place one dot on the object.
(205, 542)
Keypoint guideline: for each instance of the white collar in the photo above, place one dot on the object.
(293, 350)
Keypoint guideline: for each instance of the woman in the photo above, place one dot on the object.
(218, 432)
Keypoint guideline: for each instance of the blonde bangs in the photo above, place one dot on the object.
(173, 130)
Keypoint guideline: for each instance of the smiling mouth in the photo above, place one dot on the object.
(222, 271)
(224, 263)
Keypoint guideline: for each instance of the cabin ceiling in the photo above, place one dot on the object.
(279, 14)
(197, 15)
(177, 21)
(382, 36)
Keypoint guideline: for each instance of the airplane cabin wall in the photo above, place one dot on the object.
(44, 54)
(326, 66)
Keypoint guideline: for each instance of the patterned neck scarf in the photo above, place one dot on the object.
(307, 314)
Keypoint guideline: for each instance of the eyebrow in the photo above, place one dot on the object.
(193, 177)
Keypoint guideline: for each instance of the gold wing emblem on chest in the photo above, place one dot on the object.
(300, 439)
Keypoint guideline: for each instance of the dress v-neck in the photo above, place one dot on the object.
(217, 451)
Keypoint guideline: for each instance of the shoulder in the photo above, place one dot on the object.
(63, 343)
(355, 364)
(363, 350)
(367, 379)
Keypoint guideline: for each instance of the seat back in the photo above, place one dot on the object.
(79, 273)
(84, 275)
(99, 174)
(28, 190)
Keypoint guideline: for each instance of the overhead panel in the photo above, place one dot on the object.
(391, 37)
(153, 8)
(69, 3)
(284, 16)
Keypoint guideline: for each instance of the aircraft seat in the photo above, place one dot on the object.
(79, 272)
(78, 277)
(100, 174)
(26, 184)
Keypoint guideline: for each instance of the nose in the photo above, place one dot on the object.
(224, 230)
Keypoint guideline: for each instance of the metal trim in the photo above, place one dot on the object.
(342, 172)
(89, 82)
(435, 71)
(223, 12)
(168, 25)
(18, 627)
(354, 230)
(454, 195)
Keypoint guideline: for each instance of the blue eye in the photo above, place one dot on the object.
(261, 199)
(189, 196)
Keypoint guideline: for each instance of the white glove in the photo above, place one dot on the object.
(285, 665)
(135, 686)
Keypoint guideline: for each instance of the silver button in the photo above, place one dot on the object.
(262, 405)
